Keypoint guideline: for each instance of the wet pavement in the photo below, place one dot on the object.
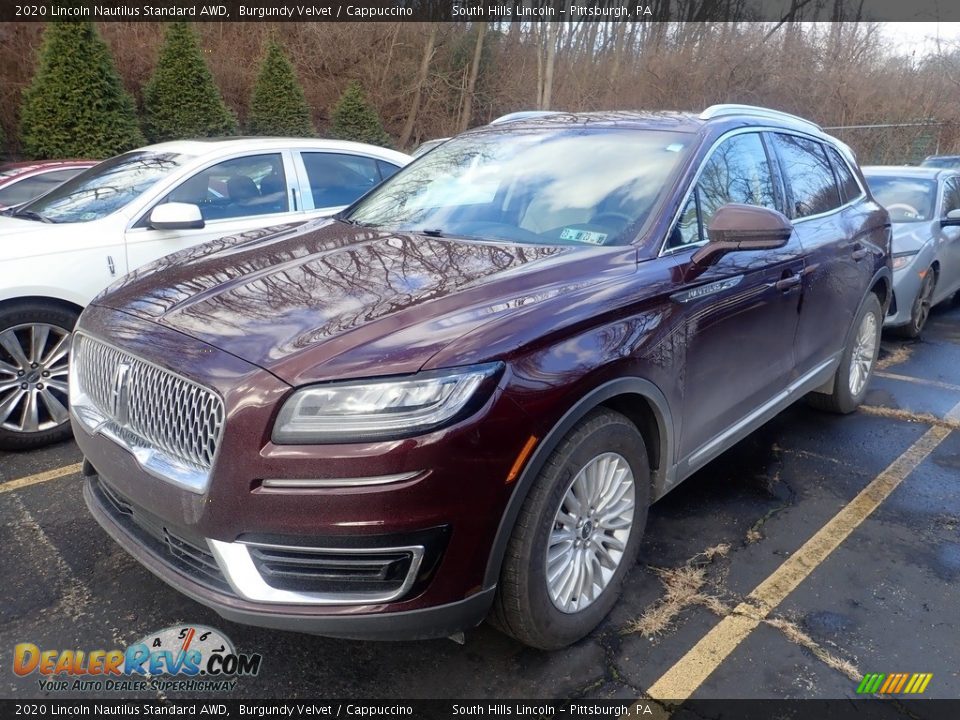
(884, 601)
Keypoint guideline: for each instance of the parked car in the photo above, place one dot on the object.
(60, 250)
(463, 393)
(924, 206)
(946, 162)
(427, 146)
(24, 181)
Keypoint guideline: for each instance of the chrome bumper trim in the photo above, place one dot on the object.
(245, 580)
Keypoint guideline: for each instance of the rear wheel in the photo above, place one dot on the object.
(856, 364)
(35, 343)
(577, 536)
(920, 311)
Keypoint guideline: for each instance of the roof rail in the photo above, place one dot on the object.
(524, 115)
(732, 109)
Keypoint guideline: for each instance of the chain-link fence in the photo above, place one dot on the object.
(899, 143)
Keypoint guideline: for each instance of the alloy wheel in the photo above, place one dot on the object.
(590, 532)
(34, 361)
(864, 352)
(924, 301)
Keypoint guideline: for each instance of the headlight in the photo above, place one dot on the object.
(373, 409)
(901, 260)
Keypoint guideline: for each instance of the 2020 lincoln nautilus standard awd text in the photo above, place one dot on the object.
(459, 397)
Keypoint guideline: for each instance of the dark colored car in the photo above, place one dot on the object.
(24, 181)
(464, 393)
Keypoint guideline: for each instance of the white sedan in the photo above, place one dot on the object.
(58, 251)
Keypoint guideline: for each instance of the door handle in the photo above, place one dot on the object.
(788, 283)
(859, 252)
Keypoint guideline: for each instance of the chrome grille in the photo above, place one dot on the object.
(155, 408)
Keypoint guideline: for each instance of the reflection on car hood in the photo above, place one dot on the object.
(910, 237)
(362, 301)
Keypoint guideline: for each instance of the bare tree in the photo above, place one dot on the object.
(467, 113)
(422, 73)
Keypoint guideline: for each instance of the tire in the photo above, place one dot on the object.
(41, 384)
(846, 396)
(920, 312)
(525, 607)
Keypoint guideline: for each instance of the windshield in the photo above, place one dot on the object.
(950, 161)
(906, 199)
(104, 188)
(580, 186)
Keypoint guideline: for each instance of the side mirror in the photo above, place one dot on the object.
(176, 216)
(743, 227)
(952, 218)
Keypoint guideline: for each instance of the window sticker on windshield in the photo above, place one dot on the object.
(585, 236)
(675, 147)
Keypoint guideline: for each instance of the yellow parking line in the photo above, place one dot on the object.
(39, 478)
(689, 672)
(918, 381)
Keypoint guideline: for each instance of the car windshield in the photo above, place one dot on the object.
(104, 188)
(569, 186)
(906, 199)
(942, 162)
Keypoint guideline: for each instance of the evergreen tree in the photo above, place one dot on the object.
(181, 99)
(76, 105)
(356, 119)
(278, 106)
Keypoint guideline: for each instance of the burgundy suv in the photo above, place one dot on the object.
(460, 397)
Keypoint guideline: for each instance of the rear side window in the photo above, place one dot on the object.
(809, 175)
(849, 187)
(339, 179)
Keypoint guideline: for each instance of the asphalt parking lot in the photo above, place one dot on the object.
(818, 550)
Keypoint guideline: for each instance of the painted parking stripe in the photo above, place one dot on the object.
(40, 478)
(690, 671)
(918, 381)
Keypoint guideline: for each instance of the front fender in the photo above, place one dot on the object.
(661, 477)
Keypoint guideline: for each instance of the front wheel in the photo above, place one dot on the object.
(856, 362)
(920, 311)
(35, 343)
(577, 535)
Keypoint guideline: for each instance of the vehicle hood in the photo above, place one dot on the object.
(327, 300)
(912, 236)
(14, 229)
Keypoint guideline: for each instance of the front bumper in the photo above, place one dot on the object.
(423, 623)
(906, 287)
(430, 531)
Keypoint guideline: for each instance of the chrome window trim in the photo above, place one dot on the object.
(246, 581)
(664, 250)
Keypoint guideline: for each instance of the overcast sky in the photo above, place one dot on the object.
(921, 36)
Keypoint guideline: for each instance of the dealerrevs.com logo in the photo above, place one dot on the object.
(185, 658)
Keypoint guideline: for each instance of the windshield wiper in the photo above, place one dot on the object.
(432, 232)
(31, 215)
(357, 223)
